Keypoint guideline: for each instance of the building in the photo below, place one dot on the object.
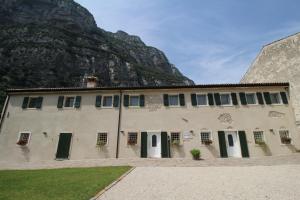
(279, 61)
(223, 120)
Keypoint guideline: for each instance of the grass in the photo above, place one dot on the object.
(57, 184)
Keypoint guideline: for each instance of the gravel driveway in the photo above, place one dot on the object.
(218, 183)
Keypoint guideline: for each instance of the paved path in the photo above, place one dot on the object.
(293, 159)
(281, 182)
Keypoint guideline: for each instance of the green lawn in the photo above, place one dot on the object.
(56, 184)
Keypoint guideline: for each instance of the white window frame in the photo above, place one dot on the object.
(290, 136)
(230, 99)
(206, 131)
(107, 137)
(255, 97)
(65, 99)
(263, 133)
(19, 137)
(174, 94)
(134, 95)
(112, 101)
(206, 99)
(137, 137)
(279, 98)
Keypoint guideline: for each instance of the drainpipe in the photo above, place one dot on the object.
(4, 111)
(119, 123)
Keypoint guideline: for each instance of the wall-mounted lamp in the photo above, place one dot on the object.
(272, 131)
(122, 132)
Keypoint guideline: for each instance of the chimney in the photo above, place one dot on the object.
(91, 81)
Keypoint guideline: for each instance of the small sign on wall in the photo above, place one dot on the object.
(187, 135)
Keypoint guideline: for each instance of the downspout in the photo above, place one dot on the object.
(4, 112)
(119, 124)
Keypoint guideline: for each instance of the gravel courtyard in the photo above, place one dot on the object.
(280, 182)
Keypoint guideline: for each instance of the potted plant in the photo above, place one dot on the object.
(196, 154)
(286, 140)
(260, 142)
(208, 142)
(175, 142)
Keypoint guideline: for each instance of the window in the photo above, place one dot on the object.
(202, 99)
(134, 101)
(285, 137)
(250, 98)
(23, 139)
(230, 140)
(258, 137)
(173, 100)
(175, 138)
(107, 101)
(132, 138)
(69, 102)
(225, 99)
(101, 139)
(206, 137)
(275, 98)
(154, 141)
(33, 102)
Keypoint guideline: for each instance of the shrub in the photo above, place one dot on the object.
(196, 154)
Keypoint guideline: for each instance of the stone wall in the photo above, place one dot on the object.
(279, 62)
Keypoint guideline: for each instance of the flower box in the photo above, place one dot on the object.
(101, 143)
(131, 142)
(175, 142)
(286, 140)
(207, 142)
(260, 142)
(21, 143)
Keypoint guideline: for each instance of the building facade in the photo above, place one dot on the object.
(225, 120)
(279, 61)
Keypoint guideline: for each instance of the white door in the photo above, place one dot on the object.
(154, 145)
(233, 144)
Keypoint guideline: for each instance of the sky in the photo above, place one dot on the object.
(209, 41)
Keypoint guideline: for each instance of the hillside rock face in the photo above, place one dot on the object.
(54, 43)
(279, 62)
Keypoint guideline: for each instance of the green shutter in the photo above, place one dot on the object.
(267, 98)
(210, 99)
(142, 100)
(217, 99)
(234, 99)
(39, 102)
(181, 100)
(98, 101)
(244, 144)
(222, 144)
(194, 99)
(164, 145)
(243, 98)
(284, 97)
(144, 144)
(63, 147)
(126, 100)
(60, 102)
(116, 101)
(166, 100)
(25, 102)
(260, 98)
(77, 101)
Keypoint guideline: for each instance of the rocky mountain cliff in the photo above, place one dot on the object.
(54, 43)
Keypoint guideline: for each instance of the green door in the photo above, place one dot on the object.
(222, 144)
(63, 148)
(144, 145)
(165, 150)
(244, 144)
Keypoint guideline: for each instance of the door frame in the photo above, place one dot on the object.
(238, 142)
(70, 149)
(157, 132)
